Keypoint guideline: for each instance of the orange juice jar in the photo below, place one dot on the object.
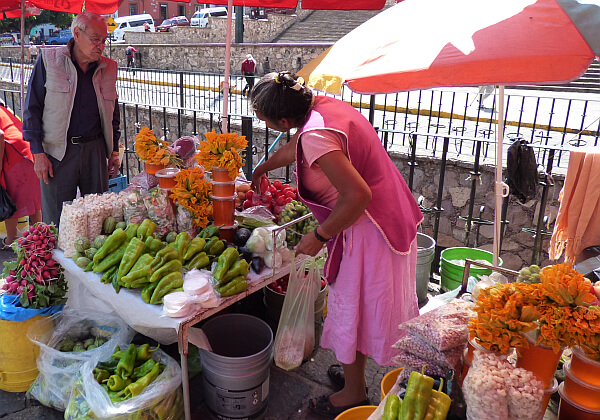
(584, 368)
(223, 210)
(570, 410)
(166, 177)
(223, 189)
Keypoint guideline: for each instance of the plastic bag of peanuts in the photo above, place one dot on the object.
(496, 390)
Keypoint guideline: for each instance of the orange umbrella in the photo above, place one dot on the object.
(420, 44)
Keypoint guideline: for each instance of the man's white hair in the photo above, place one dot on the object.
(83, 19)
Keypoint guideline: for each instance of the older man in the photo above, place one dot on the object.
(71, 117)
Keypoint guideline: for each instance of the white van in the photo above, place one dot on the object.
(200, 17)
(134, 23)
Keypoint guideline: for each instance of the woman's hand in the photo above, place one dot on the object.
(309, 245)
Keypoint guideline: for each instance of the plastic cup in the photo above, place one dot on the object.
(223, 210)
(152, 168)
(539, 359)
(221, 175)
(570, 410)
(578, 391)
(466, 366)
(166, 177)
(228, 232)
(584, 368)
(223, 189)
(547, 395)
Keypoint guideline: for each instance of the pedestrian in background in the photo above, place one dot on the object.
(367, 217)
(248, 67)
(33, 51)
(74, 133)
(16, 168)
(129, 51)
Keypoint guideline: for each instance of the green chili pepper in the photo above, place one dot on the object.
(109, 365)
(392, 407)
(100, 375)
(201, 260)
(116, 383)
(113, 259)
(169, 267)
(143, 369)
(439, 405)
(416, 398)
(136, 388)
(108, 274)
(168, 282)
(239, 268)
(152, 246)
(163, 256)
(195, 247)
(210, 242)
(146, 229)
(131, 230)
(144, 353)
(115, 396)
(182, 242)
(116, 284)
(237, 285)
(210, 230)
(111, 243)
(216, 248)
(138, 283)
(147, 291)
(140, 270)
(226, 260)
(89, 266)
(127, 362)
(134, 250)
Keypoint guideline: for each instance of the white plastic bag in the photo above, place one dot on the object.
(161, 399)
(58, 369)
(295, 337)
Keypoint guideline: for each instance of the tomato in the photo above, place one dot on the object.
(272, 190)
(323, 284)
(280, 200)
(264, 185)
(278, 289)
(249, 194)
(247, 203)
(267, 197)
(277, 184)
(290, 194)
(288, 200)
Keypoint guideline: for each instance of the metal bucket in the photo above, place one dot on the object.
(236, 373)
(425, 255)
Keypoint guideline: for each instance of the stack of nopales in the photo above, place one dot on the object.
(434, 340)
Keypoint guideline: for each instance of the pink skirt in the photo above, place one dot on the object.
(23, 186)
(375, 291)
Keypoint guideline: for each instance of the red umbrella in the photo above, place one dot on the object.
(420, 44)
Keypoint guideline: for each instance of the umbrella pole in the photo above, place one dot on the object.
(227, 65)
(22, 56)
(498, 185)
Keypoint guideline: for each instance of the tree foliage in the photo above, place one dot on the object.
(58, 19)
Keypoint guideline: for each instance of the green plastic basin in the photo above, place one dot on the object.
(452, 274)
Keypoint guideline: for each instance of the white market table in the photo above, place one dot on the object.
(87, 292)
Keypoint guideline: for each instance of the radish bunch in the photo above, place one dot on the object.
(35, 275)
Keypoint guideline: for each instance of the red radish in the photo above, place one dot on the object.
(10, 279)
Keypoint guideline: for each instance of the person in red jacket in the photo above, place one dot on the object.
(248, 67)
(130, 58)
(17, 174)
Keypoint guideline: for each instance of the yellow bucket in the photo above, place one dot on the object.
(388, 381)
(21, 226)
(18, 355)
(357, 413)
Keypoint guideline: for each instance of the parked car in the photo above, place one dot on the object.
(174, 21)
(61, 37)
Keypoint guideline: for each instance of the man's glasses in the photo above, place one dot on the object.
(95, 40)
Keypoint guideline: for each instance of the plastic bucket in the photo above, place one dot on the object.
(274, 303)
(235, 374)
(357, 413)
(570, 410)
(388, 381)
(18, 355)
(452, 273)
(425, 255)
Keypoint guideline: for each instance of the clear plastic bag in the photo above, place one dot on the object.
(445, 327)
(295, 337)
(97, 208)
(135, 209)
(162, 399)
(160, 211)
(73, 224)
(415, 346)
(184, 221)
(58, 369)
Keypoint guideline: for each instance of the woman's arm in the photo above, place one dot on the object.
(354, 197)
(284, 156)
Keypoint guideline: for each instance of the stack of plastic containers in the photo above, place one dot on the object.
(580, 392)
(223, 197)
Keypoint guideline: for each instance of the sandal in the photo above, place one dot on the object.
(336, 374)
(322, 405)
(4, 246)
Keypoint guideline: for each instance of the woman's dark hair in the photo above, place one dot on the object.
(281, 95)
